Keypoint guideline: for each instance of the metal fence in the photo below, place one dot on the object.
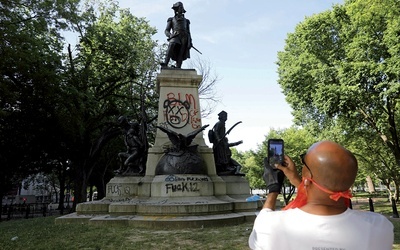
(31, 210)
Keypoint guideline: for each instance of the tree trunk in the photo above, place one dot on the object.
(62, 193)
(1, 208)
(370, 184)
(288, 196)
(101, 188)
(387, 185)
(91, 193)
(80, 192)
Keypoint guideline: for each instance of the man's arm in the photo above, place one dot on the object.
(290, 171)
(274, 181)
(168, 27)
(271, 201)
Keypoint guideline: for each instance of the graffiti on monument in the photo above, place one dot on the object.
(175, 178)
(118, 190)
(187, 184)
(179, 112)
(183, 187)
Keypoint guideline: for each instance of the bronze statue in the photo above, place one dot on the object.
(224, 163)
(131, 161)
(181, 157)
(180, 40)
(180, 142)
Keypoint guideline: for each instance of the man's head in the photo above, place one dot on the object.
(178, 8)
(223, 116)
(123, 122)
(330, 165)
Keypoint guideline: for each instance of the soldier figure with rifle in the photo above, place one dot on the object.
(222, 154)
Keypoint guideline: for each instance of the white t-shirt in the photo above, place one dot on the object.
(296, 229)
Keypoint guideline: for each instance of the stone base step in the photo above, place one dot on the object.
(185, 206)
(161, 222)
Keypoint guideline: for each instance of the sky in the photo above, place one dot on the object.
(240, 39)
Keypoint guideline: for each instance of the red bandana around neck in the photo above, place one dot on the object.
(301, 198)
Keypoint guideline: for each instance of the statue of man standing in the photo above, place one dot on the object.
(178, 33)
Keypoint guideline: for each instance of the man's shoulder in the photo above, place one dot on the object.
(365, 213)
(217, 125)
(371, 217)
(277, 213)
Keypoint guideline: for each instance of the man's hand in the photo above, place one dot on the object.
(290, 171)
(273, 178)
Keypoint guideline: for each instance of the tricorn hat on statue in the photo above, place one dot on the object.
(222, 113)
(177, 5)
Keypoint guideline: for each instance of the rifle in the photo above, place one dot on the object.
(227, 132)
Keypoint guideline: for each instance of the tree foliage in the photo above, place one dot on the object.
(340, 68)
(30, 48)
(112, 73)
(59, 103)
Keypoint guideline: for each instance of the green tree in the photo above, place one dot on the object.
(379, 165)
(58, 110)
(252, 170)
(340, 69)
(112, 73)
(30, 48)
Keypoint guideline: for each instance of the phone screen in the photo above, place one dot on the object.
(275, 152)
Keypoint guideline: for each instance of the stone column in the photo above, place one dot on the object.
(179, 110)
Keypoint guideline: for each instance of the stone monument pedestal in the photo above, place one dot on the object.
(172, 200)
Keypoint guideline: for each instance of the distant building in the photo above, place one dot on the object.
(36, 189)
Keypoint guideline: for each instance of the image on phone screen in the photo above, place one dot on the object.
(275, 152)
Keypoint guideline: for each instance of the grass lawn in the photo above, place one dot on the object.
(43, 233)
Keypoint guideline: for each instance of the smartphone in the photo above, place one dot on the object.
(276, 152)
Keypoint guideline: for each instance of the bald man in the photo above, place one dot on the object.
(319, 217)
